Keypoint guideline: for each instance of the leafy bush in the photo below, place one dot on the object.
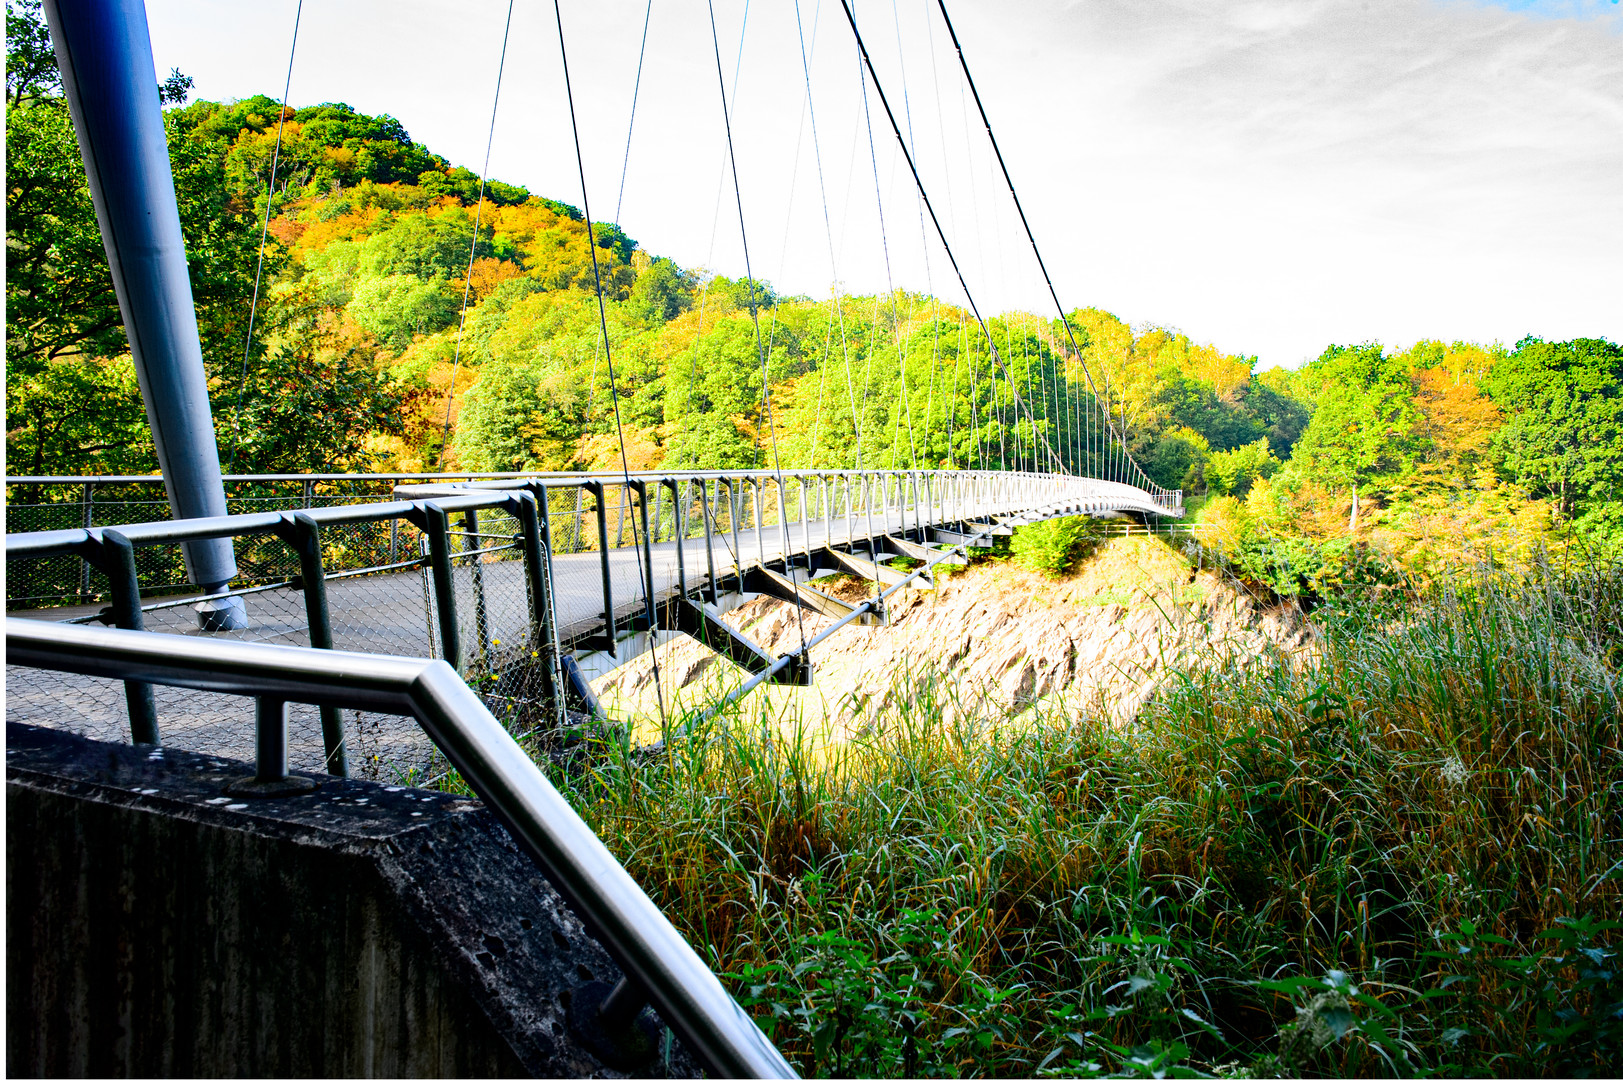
(1052, 547)
(1257, 550)
(1232, 472)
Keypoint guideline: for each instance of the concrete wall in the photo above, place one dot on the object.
(158, 925)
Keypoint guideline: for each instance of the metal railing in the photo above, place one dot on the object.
(504, 576)
(661, 966)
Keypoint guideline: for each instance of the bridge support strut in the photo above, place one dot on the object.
(105, 56)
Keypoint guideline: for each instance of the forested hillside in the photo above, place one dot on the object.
(383, 341)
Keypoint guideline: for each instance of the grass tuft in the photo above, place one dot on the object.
(1400, 853)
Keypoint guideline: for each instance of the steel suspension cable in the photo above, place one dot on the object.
(636, 86)
(264, 232)
(879, 88)
(608, 356)
(755, 317)
(906, 403)
(924, 243)
(1047, 278)
(828, 225)
(473, 246)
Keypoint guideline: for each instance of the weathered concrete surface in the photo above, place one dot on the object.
(158, 925)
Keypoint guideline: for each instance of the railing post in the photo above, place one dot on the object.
(805, 523)
(596, 488)
(734, 505)
(481, 614)
(867, 506)
(620, 515)
(118, 561)
(270, 740)
(709, 534)
(850, 521)
(647, 556)
(678, 532)
(783, 527)
(84, 564)
(760, 529)
(304, 536)
(437, 527)
(530, 508)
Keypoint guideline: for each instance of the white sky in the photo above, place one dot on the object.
(1269, 175)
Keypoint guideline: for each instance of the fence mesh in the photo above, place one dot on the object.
(379, 600)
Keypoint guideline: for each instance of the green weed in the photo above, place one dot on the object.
(1399, 853)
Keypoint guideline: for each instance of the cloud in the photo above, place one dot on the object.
(1271, 175)
(1389, 169)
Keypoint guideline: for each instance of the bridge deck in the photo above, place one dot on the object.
(390, 613)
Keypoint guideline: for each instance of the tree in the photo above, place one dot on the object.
(1188, 403)
(72, 401)
(1563, 437)
(1455, 425)
(313, 399)
(1232, 472)
(661, 292)
(1361, 434)
(1177, 459)
(31, 73)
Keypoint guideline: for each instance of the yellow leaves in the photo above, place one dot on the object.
(1457, 418)
(488, 274)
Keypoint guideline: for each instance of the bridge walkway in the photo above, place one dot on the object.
(393, 613)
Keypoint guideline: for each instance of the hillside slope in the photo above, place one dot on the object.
(1097, 641)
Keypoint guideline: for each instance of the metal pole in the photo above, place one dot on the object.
(118, 560)
(481, 618)
(805, 525)
(679, 531)
(304, 535)
(270, 739)
(105, 56)
(760, 537)
(735, 504)
(709, 535)
(84, 564)
(596, 488)
(647, 555)
(437, 526)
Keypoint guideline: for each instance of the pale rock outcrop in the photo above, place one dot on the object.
(1094, 643)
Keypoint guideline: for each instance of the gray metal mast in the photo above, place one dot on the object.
(105, 56)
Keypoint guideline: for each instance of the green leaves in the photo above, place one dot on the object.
(1564, 435)
(1052, 547)
(1232, 472)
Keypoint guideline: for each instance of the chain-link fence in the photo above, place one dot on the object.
(380, 598)
(39, 505)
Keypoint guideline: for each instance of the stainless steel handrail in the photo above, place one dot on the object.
(642, 941)
(456, 497)
(1160, 497)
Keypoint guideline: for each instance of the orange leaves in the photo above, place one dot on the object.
(1455, 417)
(489, 273)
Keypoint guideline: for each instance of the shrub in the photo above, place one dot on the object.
(1232, 472)
(1052, 547)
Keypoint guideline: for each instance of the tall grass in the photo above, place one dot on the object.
(1402, 854)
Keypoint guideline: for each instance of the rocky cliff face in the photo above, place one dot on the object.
(1096, 642)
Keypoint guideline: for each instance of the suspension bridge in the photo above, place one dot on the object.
(390, 625)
